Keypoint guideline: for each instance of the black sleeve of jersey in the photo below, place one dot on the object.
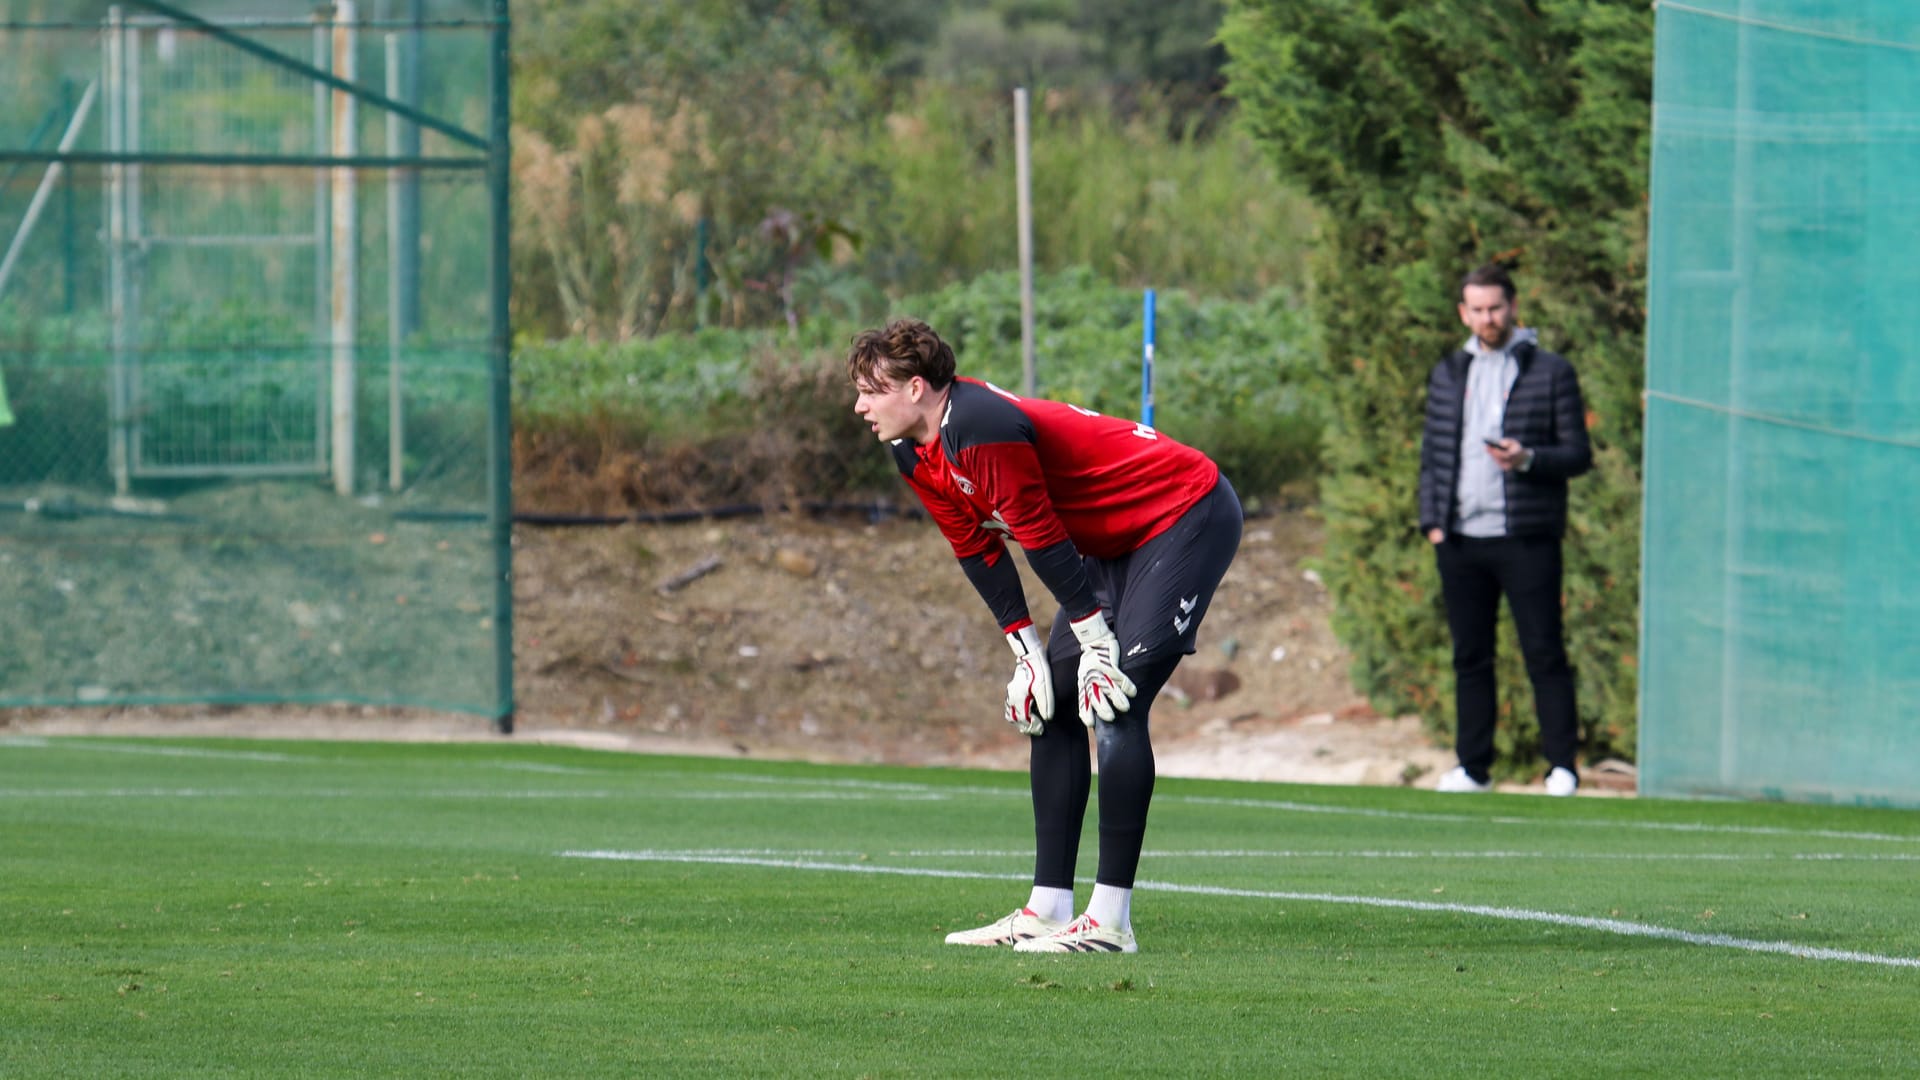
(1059, 568)
(999, 586)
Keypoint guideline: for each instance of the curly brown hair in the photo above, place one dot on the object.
(896, 353)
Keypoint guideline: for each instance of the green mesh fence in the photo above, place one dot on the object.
(1781, 643)
(253, 346)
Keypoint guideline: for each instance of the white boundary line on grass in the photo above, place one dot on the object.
(1436, 853)
(852, 790)
(35, 742)
(1291, 806)
(285, 794)
(27, 742)
(1580, 922)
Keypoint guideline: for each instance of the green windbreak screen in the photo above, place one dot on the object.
(252, 351)
(1781, 637)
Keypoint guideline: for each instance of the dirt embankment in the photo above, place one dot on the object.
(830, 640)
(838, 640)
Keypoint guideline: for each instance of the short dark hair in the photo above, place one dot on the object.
(896, 353)
(1488, 274)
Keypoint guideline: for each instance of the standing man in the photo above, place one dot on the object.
(1505, 430)
(1129, 530)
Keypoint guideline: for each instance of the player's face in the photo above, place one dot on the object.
(1486, 311)
(891, 410)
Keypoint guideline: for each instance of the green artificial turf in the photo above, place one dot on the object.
(206, 908)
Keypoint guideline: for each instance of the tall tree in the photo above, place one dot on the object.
(1436, 134)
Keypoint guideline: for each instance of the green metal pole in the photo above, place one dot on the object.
(500, 440)
(67, 227)
(407, 222)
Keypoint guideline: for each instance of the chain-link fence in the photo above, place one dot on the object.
(253, 353)
(1780, 611)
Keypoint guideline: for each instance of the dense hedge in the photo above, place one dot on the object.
(1434, 135)
(1231, 377)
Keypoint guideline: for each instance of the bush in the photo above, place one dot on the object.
(1435, 137)
(741, 164)
(758, 416)
(1126, 189)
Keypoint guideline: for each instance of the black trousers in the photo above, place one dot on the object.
(1154, 599)
(1474, 574)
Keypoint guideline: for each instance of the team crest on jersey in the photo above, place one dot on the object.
(966, 485)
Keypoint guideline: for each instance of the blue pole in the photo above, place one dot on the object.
(1146, 365)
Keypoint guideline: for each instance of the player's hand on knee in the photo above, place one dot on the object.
(1030, 692)
(1105, 690)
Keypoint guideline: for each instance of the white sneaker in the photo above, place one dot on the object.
(1562, 782)
(1081, 935)
(1016, 927)
(1457, 781)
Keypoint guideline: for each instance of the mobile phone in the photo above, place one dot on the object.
(1500, 443)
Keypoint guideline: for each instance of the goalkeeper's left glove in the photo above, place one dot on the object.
(1030, 691)
(1104, 688)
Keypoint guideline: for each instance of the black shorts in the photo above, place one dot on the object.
(1156, 597)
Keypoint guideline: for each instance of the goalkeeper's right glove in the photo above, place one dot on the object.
(1030, 692)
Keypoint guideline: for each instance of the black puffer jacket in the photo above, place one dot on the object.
(1544, 412)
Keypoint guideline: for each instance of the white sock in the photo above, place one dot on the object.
(1111, 906)
(1051, 903)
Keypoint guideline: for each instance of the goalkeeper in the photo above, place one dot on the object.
(1129, 530)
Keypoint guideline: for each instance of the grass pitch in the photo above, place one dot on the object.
(174, 908)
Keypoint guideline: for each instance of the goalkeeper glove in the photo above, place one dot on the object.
(1104, 688)
(1030, 692)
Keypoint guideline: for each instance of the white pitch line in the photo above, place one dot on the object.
(424, 793)
(1582, 922)
(1619, 927)
(39, 743)
(1569, 856)
(1573, 856)
(869, 790)
(1292, 806)
(137, 793)
(786, 864)
(865, 785)
(297, 793)
(1538, 822)
(803, 796)
(1150, 853)
(933, 793)
(542, 767)
(157, 751)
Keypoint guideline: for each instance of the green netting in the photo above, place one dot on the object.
(252, 343)
(1781, 612)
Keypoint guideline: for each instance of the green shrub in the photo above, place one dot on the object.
(681, 165)
(1232, 378)
(1434, 137)
(1130, 192)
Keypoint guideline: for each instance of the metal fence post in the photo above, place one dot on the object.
(500, 427)
(346, 249)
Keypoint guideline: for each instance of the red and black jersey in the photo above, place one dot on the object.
(1042, 472)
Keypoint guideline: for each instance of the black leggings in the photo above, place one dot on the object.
(1062, 777)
